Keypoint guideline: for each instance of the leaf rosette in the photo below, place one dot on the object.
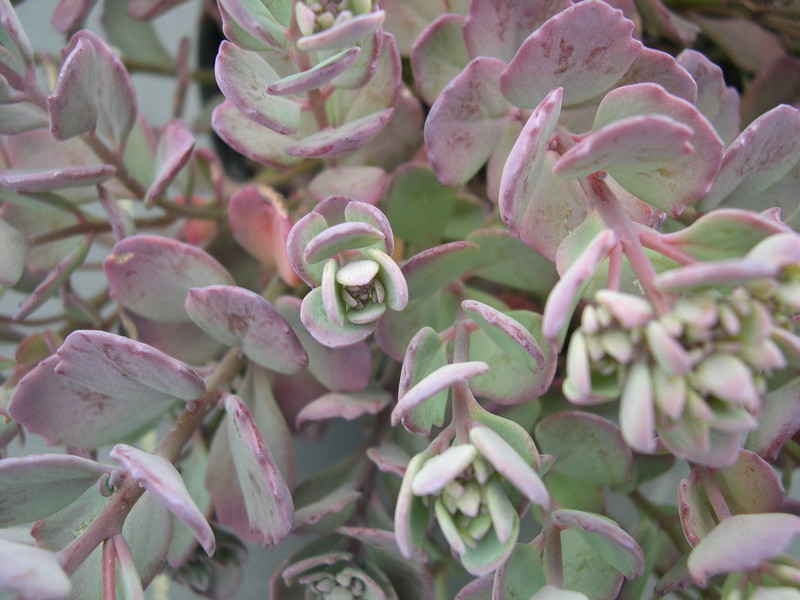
(477, 491)
(343, 249)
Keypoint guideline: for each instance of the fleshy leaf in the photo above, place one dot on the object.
(119, 366)
(257, 143)
(610, 541)
(347, 406)
(438, 55)
(362, 183)
(152, 275)
(30, 572)
(36, 486)
(433, 269)
(128, 584)
(343, 139)
(585, 49)
(175, 145)
(742, 542)
(684, 179)
(343, 34)
(267, 499)
(762, 154)
(31, 181)
(418, 206)
(251, 24)
(65, 412)
(316, 76)
(157, 475)
(635, 144)
(343, 236)
(93, 93)
(241, 75)
(13, 247)
(132, 38)
(466, 122)
(433, 383)
(586, 446)
(239, 317)
(499, 29)
(260, 222)
(778, 422)
(324, 330)
(424, 355)
(524, 164)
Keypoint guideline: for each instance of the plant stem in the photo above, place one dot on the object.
(109, 570)
(715, 497)
(553, 567)
(111, 519)
(615, 218)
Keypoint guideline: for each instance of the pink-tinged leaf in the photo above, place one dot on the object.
(67, 413)
(632, 145)
(175, 145)
(443, 469)
(438, 55)
(697, 518)
(344, 236)
(345, 406)
(152, 275)
(549, 592)
(585, 446)
(424, 355)
(251, 25)
(255, 142)
(567, 292)
(742, 542)
(343, 34)
(147, 9)
(361, 183)
(432, 269)
(762, 154)
(93, 72)
(73, 104)
(333, 503)
(510, 464)
(389, 458)
(300, 235)
(241, 75)
(411, 515)
(120, 220)
(391, 276)
(775, 84)
(750, 46)
(193, 467)
(32, 181)
(315, 77)
(267, 499)
(343, 139)
(260, 223)
(611, 542)
(157, 475)
(654, 66)
(466, 122)
(315, 317)
(13, 247)
(667, 23)
(339, 369)
(36, 486)
(119, 366)
(524, 164)
(21, 117)
(477, 589)
(711, 274)
(584, 49)
(684, 179)
(54, 280)
(238, 317)
(718, 103)
(361, 72)
(637, 410)
(33, 573)
(14, 37)
(498, 29)
(778, 421)
(433, 383)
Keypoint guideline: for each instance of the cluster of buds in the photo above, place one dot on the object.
(316, 15)
(342, 249)
(477, 491)
(696, 375)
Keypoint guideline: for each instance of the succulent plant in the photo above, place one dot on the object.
(543, 253)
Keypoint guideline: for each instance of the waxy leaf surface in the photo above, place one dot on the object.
(157, 475)
(119, 366)
(30, 572)
(36, 486)
(13, 247)
(424, 355)
(152, 275)
(438, 55)
(343, 139)
(239, 317)
(175, 146)
(585, 49)
(466, 122)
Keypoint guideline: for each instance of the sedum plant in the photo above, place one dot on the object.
(544, 253)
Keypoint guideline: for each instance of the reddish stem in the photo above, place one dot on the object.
(109, 570)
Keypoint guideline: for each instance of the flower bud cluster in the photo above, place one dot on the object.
(699, 367)
(316, 15)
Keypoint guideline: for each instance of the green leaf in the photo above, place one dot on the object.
(522, 574)
(425, 353)
(418, 206)
(584, 571)
(506, 260)
(489, 553)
